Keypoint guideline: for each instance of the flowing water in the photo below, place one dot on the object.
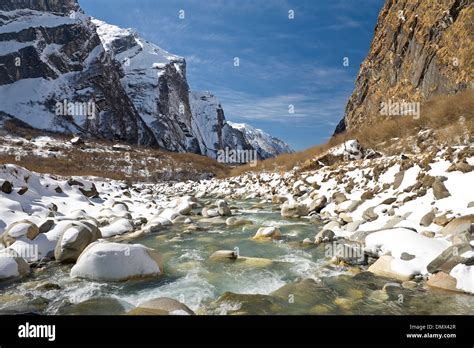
(270, 278)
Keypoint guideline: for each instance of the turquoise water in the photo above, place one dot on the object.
(256, 280)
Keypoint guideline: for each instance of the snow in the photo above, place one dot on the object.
(399, 240)
(8, 265)
(105, 261)
(118, 227)
(464, 277)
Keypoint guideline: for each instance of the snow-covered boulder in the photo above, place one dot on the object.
(12, 265)
(75, 238)
(105, 261)
(17, 230)
(117, 227)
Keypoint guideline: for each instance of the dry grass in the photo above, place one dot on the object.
(450, 116)
(137, 165)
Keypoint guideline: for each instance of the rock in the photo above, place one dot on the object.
(464, 224)
(267, 233)
(389, 201)
(253, 262)
(6, 187)
(164, 304)
(382, 268)
(23, 190)
(318, 204)
(339, 197)
(353, 226)
(470, 204)
(427, 219)
(293, 210)
(439, 190)
(409, 284)
(94, 306)
(463, 167)
(442, 281)
(234, 221)
(117, 227)
(406, 256)
(74, 239)
(428, 234)
(223, 208)
(332, 225)
(209, 213)
(367, 195)
(243, 304)
(77, 141)
(307, 241)
(224, 255)
(46, 226)
(12, 266)
(449, 258)
(442, 220)
(105, 261)
(345, 217)
(324, 236)
(370, 215)
(278, 199)
(353, 206)
(398, 179)
(18, 230)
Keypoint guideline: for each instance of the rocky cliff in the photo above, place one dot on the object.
(420, 49)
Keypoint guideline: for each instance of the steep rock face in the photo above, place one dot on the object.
(50, 53)
(155, 80)
(420, 49)
(265, 145)
(210, 127)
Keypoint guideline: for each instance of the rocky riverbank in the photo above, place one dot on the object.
(403, 223)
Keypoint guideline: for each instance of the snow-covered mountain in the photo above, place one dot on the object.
(61, 70)
(266, 145)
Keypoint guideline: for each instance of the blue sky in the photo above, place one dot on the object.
(283, 61)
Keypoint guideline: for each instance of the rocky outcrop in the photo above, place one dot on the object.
(420, 49)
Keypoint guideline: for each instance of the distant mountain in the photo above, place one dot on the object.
(266, 145)
(61, 70)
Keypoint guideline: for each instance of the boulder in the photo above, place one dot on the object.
(442, 280)
(105, 261)
(339, 197)
(324, 236)
(234, 221)
(74, 239)
(293, 210)
(224, 255)
(118, 226)
(18, 230)
(318, 204)
(12, 266)
(464, 224)
(398, 179)
(267, 233)
(6, 187)
(382, 267)
(370, 215)
(439, 190)
(427, 219)
(162, 305)
(449, 258)
(278, 199)
(223, 208)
